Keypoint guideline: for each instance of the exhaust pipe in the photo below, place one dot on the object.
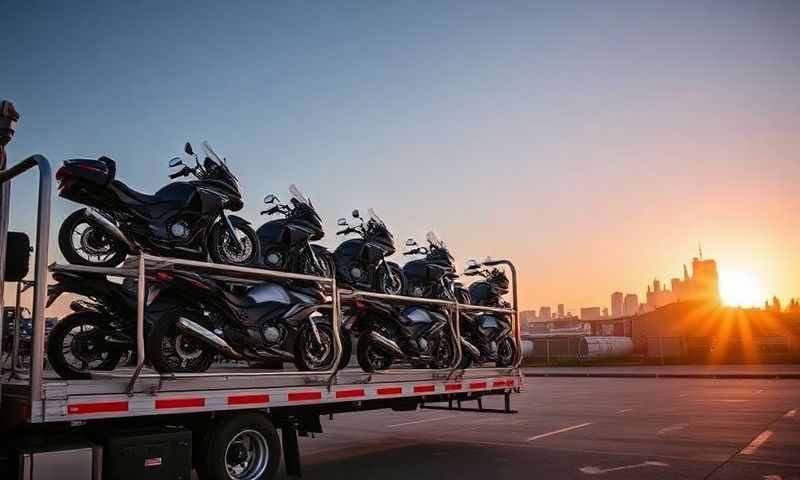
(390, 345)
(206, 335)
(470, 348)
(109, 227)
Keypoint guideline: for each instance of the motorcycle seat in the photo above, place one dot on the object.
(129, 195)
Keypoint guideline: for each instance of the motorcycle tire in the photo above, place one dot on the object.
(506, 352)
(305, 340)
(370, 357)
(445, 353)
(306, 266)
(219, 248)
(55, 346)
(66, 232)
(395, 286)
(171, 351)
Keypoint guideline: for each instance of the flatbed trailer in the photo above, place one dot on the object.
(230, 415)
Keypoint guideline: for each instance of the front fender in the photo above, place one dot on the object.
(236, 220)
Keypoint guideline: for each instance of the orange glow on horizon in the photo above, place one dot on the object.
(741, 289)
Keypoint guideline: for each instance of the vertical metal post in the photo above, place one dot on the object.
(140, 299)
(40, 276)
(17, 319)
(5, 197)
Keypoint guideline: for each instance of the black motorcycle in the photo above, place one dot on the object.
(418, 334)
(183, 219)
(286, 242)
(264, 323)
(486, 336)
(423, 276)
(101, 329)
(361, 262)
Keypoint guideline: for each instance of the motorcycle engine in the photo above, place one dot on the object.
(356, 273)
(180, 230)
(274, 259)
(273, 334)
(417, 291)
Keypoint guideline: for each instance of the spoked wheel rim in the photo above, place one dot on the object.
(317, 355)
(82, 348)
(246, 455)
(183, 352)
(231, 250)
(391, 282)
(91, 243)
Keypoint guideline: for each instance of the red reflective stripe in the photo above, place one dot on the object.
(424, 388)
(503, 383)
(180, 403)
(359, 392)
(477, 385)
(452, 386)
(100, 407)
(301, 396)
(247, 399)
(390, 390)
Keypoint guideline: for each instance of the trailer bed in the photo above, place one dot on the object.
(70, 400)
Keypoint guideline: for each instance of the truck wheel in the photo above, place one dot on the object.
(241, 447)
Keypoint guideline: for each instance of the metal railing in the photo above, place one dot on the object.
(40, 266)
(145, 262)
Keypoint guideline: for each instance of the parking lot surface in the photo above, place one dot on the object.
(581, 428)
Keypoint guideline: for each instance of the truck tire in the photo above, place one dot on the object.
(241, 447)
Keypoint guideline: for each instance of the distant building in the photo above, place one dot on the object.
(657, 296)
(545, 313)
(591, 313)
(702, 285)
(630, 305)
(560, 310)
(617, 299)
(605, 312)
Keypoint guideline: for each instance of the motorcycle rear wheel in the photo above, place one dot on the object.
(370, 356)
(172, 351)
(86, 347)
(83, 243)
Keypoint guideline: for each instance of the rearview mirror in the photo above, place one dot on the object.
(411, 242)
(270, 198)
(356, 214)
(174, 162)
(188, 149)
(341, 222)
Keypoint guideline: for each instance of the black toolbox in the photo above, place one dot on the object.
(148, 454)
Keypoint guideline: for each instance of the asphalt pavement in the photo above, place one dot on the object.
(578, 428)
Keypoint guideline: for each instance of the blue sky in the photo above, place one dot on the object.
(591, 141)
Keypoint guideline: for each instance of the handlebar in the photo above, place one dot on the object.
(181, 173)
(271, 210)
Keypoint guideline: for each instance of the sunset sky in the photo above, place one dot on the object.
(593, 143)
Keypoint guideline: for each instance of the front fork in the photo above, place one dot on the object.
(232, 231)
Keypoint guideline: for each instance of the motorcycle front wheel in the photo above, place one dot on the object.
(444, 352)
(84, 243)
(76, 345)
(171, 350)
(311, 355)
(224, 249)
(392, 282)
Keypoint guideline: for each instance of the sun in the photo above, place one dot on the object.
(741, 289)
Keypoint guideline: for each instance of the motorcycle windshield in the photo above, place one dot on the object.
(297, 194)
(218, 164)
(434, 240)
(374, 217)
